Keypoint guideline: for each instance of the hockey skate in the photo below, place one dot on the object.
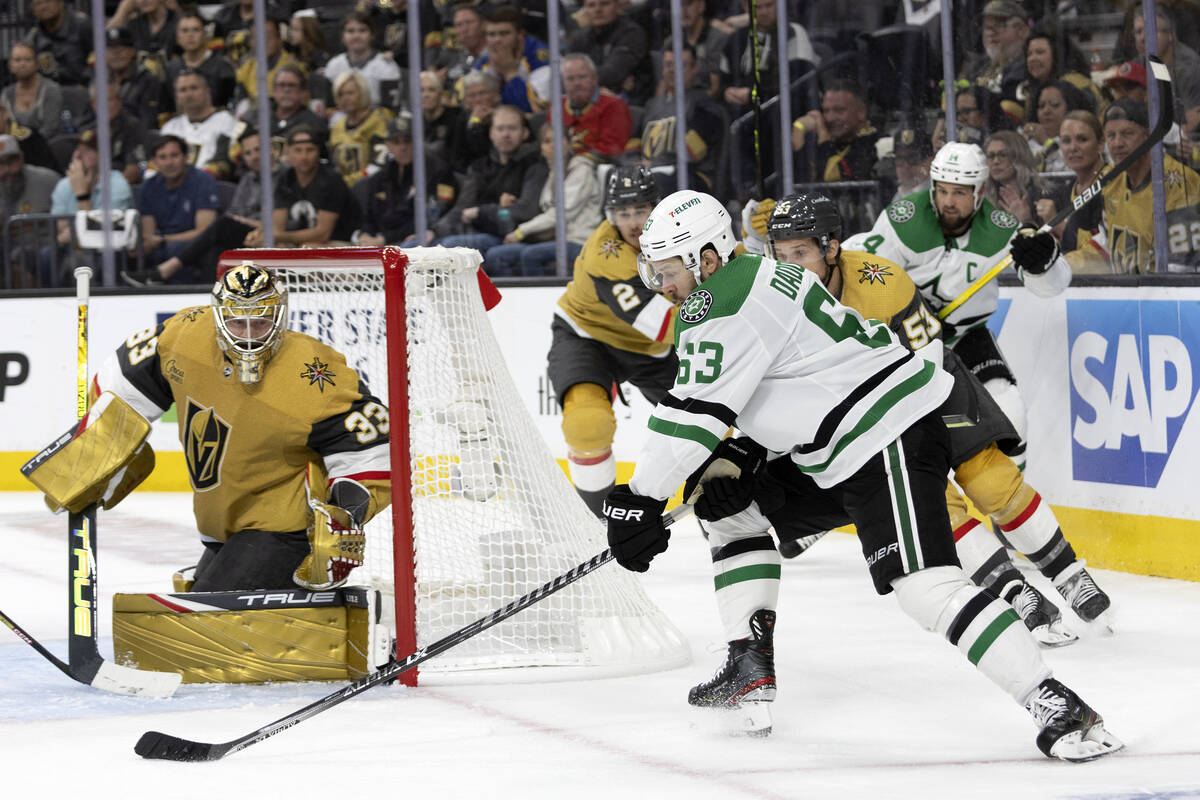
(1070, 729)
(1041, 617)
(794, 547)
(1087, 599)
(745, 683)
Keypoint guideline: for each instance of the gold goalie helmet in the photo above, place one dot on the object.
(250, 312)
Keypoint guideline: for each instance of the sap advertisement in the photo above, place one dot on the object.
(1106, 374)
(1109, 385)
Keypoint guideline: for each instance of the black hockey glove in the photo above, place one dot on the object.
(727, 479)
(1033, 252)
(636, 532)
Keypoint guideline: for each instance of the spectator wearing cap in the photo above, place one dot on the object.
(140, 89)
(127, 136)
(912, 153)
(231, 229)
(383, 76)
(1183, 63)
(1128, 224)
(1042, 67)
(63, 41)
(80, 190)
(32, 99)
(1000, 68)
(177, 203)
(313, 205)
(389, 208)
(194, 54)
(24, 189)
(1130, 81)
(836, 143)
(357, 135)
(208, 131)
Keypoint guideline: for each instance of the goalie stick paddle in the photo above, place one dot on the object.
(84, 662)
(1161, 127)
(153, 744)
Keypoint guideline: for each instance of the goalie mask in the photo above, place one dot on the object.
(684, 224)
(250, 314)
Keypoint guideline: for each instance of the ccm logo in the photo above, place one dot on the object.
(629, 514)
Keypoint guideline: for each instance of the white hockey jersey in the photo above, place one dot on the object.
(208, 140)
(764, 347)
(908, 233)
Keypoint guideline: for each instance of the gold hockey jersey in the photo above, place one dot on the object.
(881, 289)
(1129, 220)
(248, 446)
(362, 149)
(607, 301)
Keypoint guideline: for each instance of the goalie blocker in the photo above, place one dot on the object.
(252, 636)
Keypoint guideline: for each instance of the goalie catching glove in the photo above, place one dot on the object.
(724, 485)
(1033, 252)
(336, 539)
(636, 532)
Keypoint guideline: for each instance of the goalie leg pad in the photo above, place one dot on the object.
(984, 628)
(247, 637)
(77, 468)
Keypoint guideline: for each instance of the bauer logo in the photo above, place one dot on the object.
(1131, 386)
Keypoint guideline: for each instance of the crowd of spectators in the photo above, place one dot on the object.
(183, 95)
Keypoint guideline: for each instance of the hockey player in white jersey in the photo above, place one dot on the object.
(949, 236)
(764, 346)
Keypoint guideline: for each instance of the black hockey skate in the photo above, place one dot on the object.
(1041, 617)
(748, 674)
(1070, 729)
(1087, 599)
(791, 548)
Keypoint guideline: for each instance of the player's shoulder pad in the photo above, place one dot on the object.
(311, 365)
(991, 229)
(723, 294)
(871, 270)
(915, 222)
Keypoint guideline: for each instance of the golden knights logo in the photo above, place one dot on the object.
(610, 248)
(205, 438)
(873, 273)
(318, 372)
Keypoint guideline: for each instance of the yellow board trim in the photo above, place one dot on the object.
(1164, 547)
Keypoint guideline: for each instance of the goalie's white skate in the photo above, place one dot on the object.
(1070, 729)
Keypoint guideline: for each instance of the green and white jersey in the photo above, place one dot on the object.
(908, 233)
(764, 347)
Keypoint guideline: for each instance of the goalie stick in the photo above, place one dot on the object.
(1161, 127)
(85, 664)
(153, 744)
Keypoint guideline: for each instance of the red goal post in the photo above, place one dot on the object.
(482, 513)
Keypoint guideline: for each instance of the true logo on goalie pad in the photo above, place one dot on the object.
(207, 435)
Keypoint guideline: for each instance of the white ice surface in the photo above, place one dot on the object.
(869, 705)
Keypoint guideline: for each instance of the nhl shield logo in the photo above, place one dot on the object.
(206, 436)
(901, 211)
(696, 306)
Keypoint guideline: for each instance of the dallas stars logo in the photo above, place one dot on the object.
(872, 273)
(695, 306)
(610, 248)
(318, 372)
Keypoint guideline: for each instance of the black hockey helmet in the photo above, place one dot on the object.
(805, 216)
(630, 185)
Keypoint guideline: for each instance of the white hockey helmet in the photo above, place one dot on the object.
(683, 224)
(960, 163)
(250, 312)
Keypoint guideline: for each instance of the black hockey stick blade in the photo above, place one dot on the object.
(154, 744)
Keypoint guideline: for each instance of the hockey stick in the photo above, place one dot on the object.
(755, 99)
(153, 744)
(86, 665)
(1161, 127)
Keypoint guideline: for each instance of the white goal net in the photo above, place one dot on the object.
(492, 514)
